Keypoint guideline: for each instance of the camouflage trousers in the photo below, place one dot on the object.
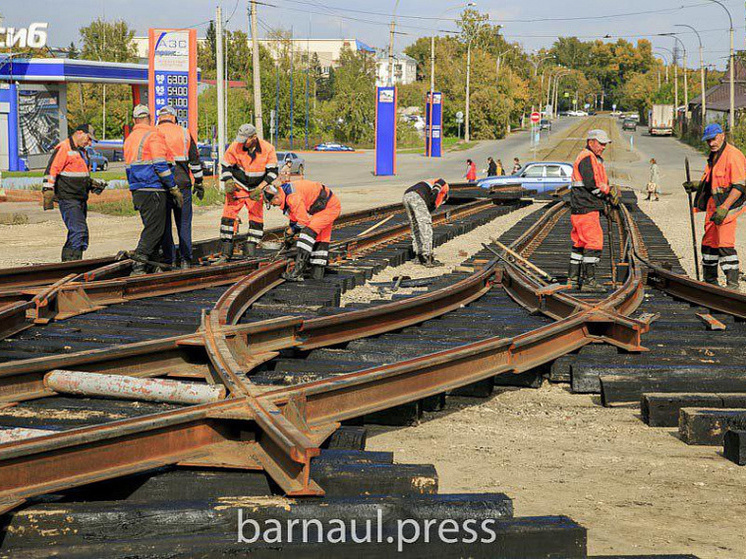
(421, 223)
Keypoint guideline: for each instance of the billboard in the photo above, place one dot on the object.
(385, 162)
(434, 124)
(172, 73)
(38, 121)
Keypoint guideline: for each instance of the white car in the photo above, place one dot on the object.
(581, 113)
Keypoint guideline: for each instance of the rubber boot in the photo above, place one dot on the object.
(301, 262)
(733, 281)
(573, 276)
(589, 283)
(226, 251)
(317, 272)
(431, 262)
(710, 275)
(249, 249)
(68, 254)
(421, 259)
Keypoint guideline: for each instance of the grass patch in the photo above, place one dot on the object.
(124, 207)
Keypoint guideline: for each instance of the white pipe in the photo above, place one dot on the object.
(130, 388)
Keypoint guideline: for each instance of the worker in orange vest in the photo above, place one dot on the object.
(312, 209)
(589, 191)
(721, 194)
(151, 183)
(68, 180)
(249, 165)
(185, 163)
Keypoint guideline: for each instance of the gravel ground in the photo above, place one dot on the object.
(452, 254)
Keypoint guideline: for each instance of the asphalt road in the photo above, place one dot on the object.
(355, 169)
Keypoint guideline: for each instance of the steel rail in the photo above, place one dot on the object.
(287, 426)
(68, 297)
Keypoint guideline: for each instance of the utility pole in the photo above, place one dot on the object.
(468, 75)
(732, 112)
(292, 85)
(702, 81)
(221, 86)
(308, 73)
(255, 69)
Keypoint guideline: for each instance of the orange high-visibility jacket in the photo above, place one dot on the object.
(146, 159)
(183, 153)
(304, 198)
(590, 185)
(68, 171)
(725, 169)
(249, 168)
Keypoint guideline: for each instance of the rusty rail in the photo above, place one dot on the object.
(285, 427)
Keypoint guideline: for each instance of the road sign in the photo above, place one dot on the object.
(535, 117)
(459, 117)
(587, 105)
(613, 107)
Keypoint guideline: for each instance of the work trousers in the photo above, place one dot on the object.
(74, 214)
(152, 207)
(421, 223)
(315, 236)
(229, 222)
(183, 219)
(587, 238)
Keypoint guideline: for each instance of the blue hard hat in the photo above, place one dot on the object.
(711, 130)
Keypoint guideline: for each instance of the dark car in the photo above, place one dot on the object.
(98, 160)
(629, 124)
(545, 124)
(209, 159)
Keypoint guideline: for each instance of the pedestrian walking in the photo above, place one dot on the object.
(491, 167)
(471, 171)
(249, 165)
(420, 200)
(653, 187)
(500, 168)
(312, 209)
(589, 191)
(721, 194)
(516, 166)
(68, 180)
(151, 183)
(185, 164)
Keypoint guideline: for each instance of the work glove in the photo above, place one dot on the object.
(199, 190)
(230, 186)
(47, 198)
(719, 216)
(289, 237)
(98, 186)
(256, 193)
(615, 196)
(177, 196)
(690, 187)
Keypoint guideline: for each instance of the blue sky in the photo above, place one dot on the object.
(348, 18)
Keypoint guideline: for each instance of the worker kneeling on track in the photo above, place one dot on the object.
(420, 200)
(589, 191)
(312, 209)
(721, 193)
(249, 165)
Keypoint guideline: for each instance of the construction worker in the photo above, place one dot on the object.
(312, 209)
(420, 200)
(589, 190)
(151, 183)
(249, 165)
(720, 193)
(185, 161)
(68, 179)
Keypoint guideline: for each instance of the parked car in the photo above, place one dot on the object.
(297, 163)
(616, 114)
(545, 124)
(98, 160)
(542, 177)
(330, 146)
(629, 124)
(209, 160)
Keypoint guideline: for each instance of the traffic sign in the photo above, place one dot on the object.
(459, 117)
(535, 117)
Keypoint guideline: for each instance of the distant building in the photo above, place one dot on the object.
(718, 97)
(405, 68)
(328, 51)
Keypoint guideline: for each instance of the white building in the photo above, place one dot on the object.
(328, 51)
(405, 68)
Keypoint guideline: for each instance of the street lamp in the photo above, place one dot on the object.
(701, 70)
(686, 86)
(468, 79)
(665, 64)
(731, 113)
(675, 76)
(391, 44)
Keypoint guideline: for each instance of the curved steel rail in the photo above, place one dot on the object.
(287, 425)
